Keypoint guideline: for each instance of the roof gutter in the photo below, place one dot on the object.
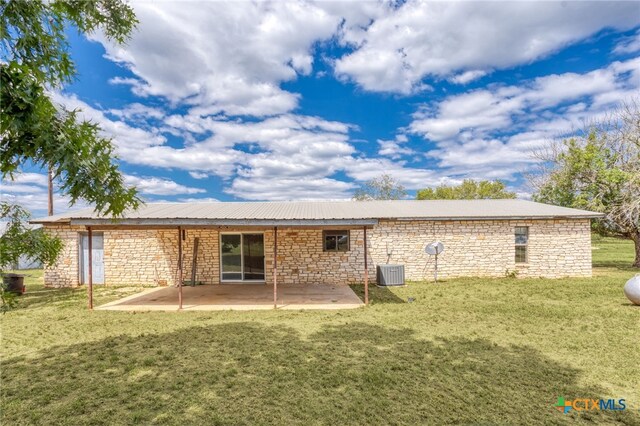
(223, 222)
(449, 218)
(288, 222)
(45, 221)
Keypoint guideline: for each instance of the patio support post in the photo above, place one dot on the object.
(366, 270)
(90, 266)
(179, 267)
(275, 267)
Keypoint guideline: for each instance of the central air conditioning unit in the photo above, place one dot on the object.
(390, 275)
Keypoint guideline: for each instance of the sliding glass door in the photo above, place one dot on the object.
(231, 257)
(242, 257)
(253, 256)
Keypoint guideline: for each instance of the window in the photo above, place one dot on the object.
(335, 240)
(522, 239)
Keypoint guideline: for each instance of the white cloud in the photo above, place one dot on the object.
(628, 45)
(296, 157)
(279, 153)
(159, 186)
(17, 188)
(27, 178)
(231, 57)
(393, 148)
(468, 76)
(197, 157)
(223, 56)
(477, 112)
(469, 129)
(285, 146)
(277, 188)
(491, 158)
(289, 157)
(198, 175)
(30, 190)
(37, 202)
(137, 111)
(423, 39)
(364, 169)
(198, 200)
(129, 140)
(224, 63)
(148, 147)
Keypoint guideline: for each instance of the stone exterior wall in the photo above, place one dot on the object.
(301, 259)
(556, 248)
(65, 272)
(140, 257)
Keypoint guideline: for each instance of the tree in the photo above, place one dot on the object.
(384, 187)
(599, 171)
(18, 240)
(469, 189)
(34, 130)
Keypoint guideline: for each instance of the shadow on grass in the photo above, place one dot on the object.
(619, 262)
(377, 295)
(37, 295)
(612, 252)
(622, 265)
(248, 373)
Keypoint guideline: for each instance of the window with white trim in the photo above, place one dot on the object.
(522, 240)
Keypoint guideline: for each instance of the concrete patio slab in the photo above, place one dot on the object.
(238, 297)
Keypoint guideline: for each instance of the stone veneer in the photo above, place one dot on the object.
(557, 248)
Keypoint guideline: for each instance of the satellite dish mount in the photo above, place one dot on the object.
(434, 249)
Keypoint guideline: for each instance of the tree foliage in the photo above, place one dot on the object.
(36, 131)
(469, 189)
(19, 240)
(384, 187)
(598, 171)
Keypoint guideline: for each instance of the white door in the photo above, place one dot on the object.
(97, 258)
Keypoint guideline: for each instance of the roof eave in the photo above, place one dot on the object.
(523, 217)
(225, 222)
(45, 221)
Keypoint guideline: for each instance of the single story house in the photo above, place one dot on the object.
(318, 242)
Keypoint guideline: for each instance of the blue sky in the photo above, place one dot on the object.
(302, 100)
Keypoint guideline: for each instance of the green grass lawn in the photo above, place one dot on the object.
(489, 351)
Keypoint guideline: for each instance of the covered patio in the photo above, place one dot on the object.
(244, 296)
(239, 297)
(238, 255)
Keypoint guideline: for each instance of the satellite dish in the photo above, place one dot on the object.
(434, 248)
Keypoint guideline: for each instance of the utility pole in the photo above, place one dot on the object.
(50, 176)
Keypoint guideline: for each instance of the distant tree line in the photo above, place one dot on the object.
(386, 187)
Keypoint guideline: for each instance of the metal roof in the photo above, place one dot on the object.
(320, 212)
